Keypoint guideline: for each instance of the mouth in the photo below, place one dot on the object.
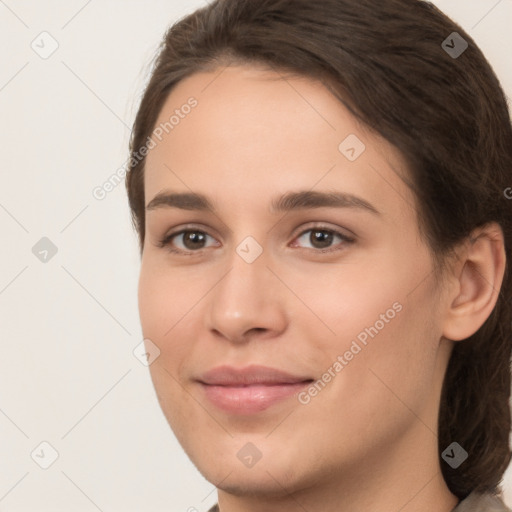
(250, 390)
(250, 399)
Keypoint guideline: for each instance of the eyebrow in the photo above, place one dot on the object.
(301, 200)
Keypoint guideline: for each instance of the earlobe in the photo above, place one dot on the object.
(481, 270)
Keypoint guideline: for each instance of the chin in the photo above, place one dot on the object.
(271, 484)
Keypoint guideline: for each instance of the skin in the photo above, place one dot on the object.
(368, 440)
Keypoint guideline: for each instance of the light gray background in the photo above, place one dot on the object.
(68, 326)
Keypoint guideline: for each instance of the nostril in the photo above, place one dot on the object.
(258, 329)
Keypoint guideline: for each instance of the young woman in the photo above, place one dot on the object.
(322, 195)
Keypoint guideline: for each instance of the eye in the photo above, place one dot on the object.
(192, 240)
(321, 238)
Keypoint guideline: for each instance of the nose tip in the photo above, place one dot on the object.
(247, 302)
(246, 335)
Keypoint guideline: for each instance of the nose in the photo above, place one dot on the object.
(248, 301)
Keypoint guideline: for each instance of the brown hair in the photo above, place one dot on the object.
(448, 116)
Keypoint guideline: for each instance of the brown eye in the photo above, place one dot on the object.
(322, 238)
(191, 240)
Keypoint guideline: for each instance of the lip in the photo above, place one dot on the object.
(251, 389)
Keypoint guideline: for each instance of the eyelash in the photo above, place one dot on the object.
(166, 241)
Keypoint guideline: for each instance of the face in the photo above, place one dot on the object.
(336, 290)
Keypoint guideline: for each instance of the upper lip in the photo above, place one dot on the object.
(254, 374)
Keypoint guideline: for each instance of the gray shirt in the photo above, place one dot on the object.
(473, 503)
(481, 503)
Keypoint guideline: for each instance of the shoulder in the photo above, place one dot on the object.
(476, 502)
(215, 508)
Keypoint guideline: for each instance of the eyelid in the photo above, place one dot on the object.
(324, 226)
(165, 240)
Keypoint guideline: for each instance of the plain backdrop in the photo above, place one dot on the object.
(69, 262)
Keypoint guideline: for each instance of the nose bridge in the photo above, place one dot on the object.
(242, 287)
(246, 297)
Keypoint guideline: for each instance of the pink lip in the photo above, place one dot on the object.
(249, 390)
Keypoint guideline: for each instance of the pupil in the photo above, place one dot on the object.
(194, 238)
(323, 237)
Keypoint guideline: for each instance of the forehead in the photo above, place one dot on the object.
(248, 132)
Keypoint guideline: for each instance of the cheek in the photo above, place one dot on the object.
(170, 303)
(379, 316)
(157, 318)
(160, 312)
(164, 298)
(360, 296)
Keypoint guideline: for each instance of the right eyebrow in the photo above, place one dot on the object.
(184, 201)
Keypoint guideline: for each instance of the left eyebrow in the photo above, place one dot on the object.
(304, 199)
(312, 199)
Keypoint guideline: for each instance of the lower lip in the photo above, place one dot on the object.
(250, 399)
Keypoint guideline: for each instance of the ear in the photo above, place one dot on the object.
(475, 285)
